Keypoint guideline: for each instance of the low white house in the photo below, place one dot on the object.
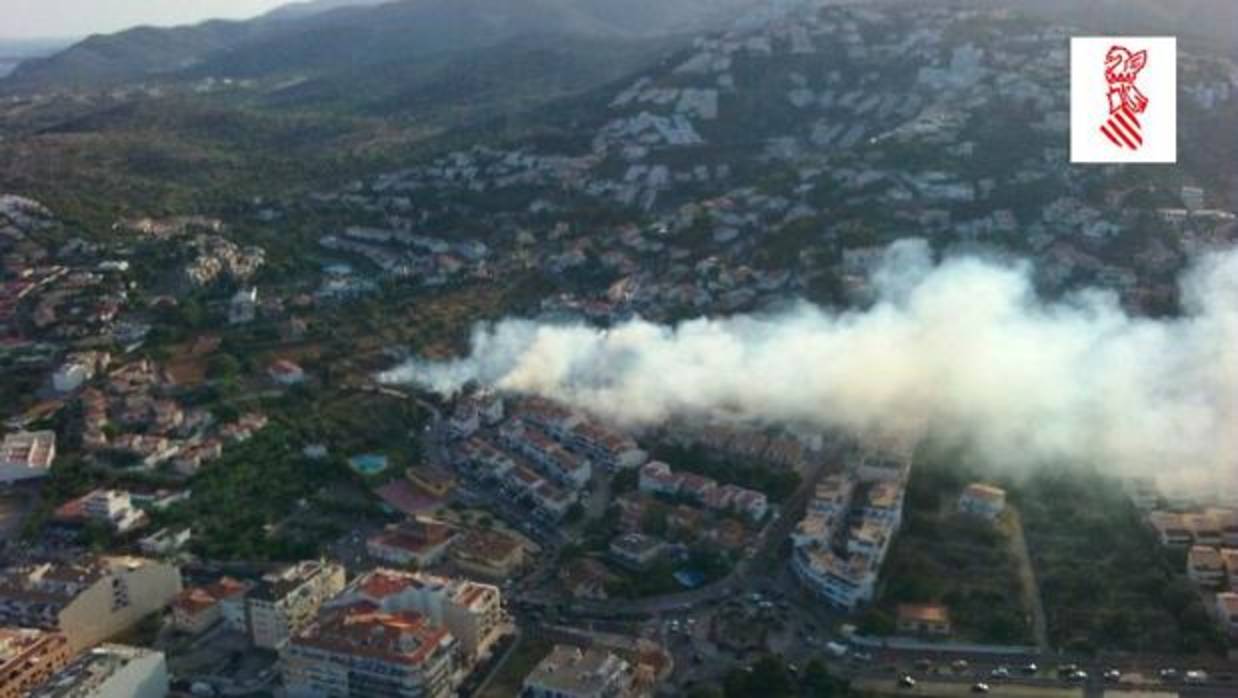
(984, 501)
(27, 454)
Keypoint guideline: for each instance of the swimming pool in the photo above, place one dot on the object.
(368, 463)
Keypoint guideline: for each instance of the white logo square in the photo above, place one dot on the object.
(1124, 99)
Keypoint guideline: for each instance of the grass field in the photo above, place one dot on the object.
(889, 687)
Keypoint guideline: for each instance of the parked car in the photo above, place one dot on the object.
(1196, 677)
(1000, 672)
(1113, 675)
(980, 688)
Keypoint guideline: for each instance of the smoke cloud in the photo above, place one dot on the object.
(964, 347)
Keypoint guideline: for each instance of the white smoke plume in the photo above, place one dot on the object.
(964, 346)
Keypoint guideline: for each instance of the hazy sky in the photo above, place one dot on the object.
(69, 18)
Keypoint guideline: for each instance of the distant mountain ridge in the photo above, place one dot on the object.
(297, 10)
(328, 35)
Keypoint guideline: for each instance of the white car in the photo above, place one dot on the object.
(1196, 677)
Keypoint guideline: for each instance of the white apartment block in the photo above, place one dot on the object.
(361, 652)
(286, 601)
(110, 671)
(27, 454)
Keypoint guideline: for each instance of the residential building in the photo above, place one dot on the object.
(832, 495)
(597, 443)
(550, 458)
(489, 462)
(27, 454)
(198, 609)
(846, 582)
(884, 502)
(418, 542)
(284, 602)
(656, 477)
(286, 372)
(1229, 557)
(749, 503)
(194, 611)
(554, 419)
(981, 500)
(111, 508)
(114, 508)
(696, 487)
(488, 554)
(1205, 566)
(1171, 529)
(636, 550)
(490, 407)
(883, 467)
(471, 611)
(1227, 612)
(871, 538)
(1205, 529)
(923, 619)
(87, 602)
(110, 671)
(243, 307)
(433, 480)
(361, 651)
(570, 672)
(1227, 520)
(79, 368)
(521, 482)
(465, 421)
(553, 502)
(28, 658)
(586, 578)
(165, 541)
(607, 448)
(815, 528)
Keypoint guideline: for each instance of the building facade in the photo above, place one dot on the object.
(110, 671)
(90, 602)
(287, 601)
(471, 611)
(26, 455)
(28, 658)
(570, 672)
(360, 651)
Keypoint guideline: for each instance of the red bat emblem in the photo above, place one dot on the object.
(1122, 68)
